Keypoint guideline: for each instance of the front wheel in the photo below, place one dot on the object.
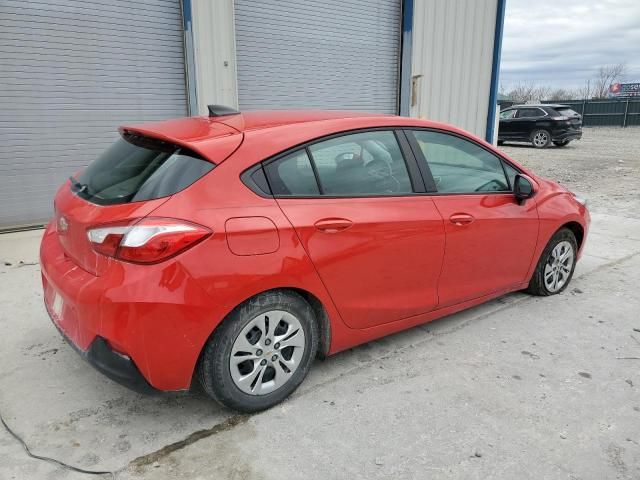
(562, 143)
(540, 138)
(556, 265)
(261, 352)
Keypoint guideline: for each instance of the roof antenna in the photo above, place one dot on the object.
(221, 111)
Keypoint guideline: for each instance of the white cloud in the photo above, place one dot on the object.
(563, 42)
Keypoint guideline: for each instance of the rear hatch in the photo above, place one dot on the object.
(575, 119)
(130, 180)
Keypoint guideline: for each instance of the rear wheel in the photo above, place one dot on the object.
(562, 143)
(261, 352)
(540, 138)
(556, 265)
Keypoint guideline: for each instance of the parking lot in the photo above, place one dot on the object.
(604, 166)
(521, 387)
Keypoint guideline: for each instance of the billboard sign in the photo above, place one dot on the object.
(621, 90)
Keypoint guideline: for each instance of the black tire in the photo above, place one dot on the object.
(562, 143)
(540, 138)
(214, 371)
(537, 285)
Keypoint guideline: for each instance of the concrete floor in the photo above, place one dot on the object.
(521, 387)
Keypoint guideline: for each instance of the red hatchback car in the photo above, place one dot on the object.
(238, 247)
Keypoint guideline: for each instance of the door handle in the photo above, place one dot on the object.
(461, 219)
(333, 225)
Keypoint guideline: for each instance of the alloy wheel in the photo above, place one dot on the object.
(540, 139)
(559, 266)
(267, 352)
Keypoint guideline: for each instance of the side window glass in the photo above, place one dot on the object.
(507, 114)
(458, 165)
(511, 173)
(292, 175)
(529, 112)
(368, 163)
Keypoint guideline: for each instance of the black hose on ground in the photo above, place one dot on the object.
(52, 460)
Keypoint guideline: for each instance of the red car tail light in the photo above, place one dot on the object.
(150, 240)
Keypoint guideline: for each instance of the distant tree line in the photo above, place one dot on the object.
(594, 88)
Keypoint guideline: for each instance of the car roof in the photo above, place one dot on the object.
(542, 105)
(193, 129)
(281, 129)
(258, 119)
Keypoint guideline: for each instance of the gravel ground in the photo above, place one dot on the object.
(604, 167)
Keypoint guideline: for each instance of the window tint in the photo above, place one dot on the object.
(137, 168)
(292, 175)
(505, 115)
(369, 163)
(568, 112)
(460, 166)
(529, 112)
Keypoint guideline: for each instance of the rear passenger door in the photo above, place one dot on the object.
(490, 237)
(376, 243)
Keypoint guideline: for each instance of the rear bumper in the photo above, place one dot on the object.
(567, 135)
(142, 326)
(119, 368)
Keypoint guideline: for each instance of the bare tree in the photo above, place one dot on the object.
(606, 75)
(560, 94)
(584, 92)
(597, 87)
(524, 92)
(542, 92)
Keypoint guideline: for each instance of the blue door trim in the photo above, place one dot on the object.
(406, 46)
(495, 70)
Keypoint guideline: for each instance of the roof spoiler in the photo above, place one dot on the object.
(221, 111)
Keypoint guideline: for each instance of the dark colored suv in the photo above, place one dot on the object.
(540, 124)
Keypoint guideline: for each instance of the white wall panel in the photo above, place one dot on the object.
(453, 52)
(214, 51)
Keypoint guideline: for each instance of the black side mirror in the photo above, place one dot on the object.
(522, 188)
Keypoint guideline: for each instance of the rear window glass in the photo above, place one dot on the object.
(293, 175)
(567, 112)
(137, 168)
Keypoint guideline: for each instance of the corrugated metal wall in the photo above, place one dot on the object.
(71, 72)
(453, 51)
(333, 54)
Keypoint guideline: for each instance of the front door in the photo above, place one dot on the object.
(377, 246)
(506, 127)
(490, 238)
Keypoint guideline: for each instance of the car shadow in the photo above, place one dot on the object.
(81, 417)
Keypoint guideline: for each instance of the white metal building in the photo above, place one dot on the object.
(73, 70)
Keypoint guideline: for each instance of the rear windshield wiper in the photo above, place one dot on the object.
(80, 187)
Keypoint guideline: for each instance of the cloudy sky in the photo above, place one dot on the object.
(562, 43)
